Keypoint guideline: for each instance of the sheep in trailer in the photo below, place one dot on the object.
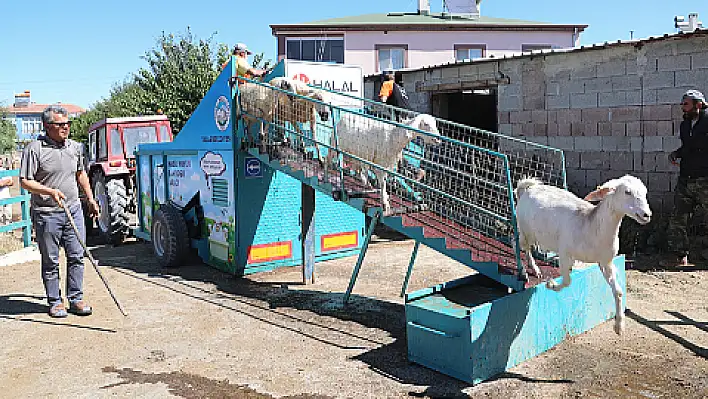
(578, 231)
(380, 143)
(258, 101)
(301, 110)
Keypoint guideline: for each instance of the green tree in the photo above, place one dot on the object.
(258, 59)
(180, 70)
(8, 133)
(126, 99)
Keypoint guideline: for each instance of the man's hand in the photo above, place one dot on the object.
(93, 208)
(57, 195)
(673, 158)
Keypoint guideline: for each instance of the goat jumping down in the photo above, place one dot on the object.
(557, 220)
(380, 143)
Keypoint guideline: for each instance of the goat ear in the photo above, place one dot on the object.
(599, 194)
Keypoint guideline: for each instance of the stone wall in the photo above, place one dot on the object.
(613, 109)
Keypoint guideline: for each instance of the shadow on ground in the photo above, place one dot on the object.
(271, 303)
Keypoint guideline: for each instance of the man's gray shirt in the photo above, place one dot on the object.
(54, 166)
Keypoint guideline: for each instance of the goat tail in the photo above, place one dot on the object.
(524, 184)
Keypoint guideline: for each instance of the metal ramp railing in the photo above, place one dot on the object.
(452, 189)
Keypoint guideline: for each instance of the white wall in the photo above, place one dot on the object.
(433, 48)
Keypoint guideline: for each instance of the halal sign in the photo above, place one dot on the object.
(301, 77)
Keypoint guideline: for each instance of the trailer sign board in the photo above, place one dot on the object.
(347, 79)
(252, 168)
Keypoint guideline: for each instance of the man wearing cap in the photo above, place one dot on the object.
(692, 188)
(243, 68)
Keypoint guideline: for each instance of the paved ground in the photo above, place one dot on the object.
(197, 332)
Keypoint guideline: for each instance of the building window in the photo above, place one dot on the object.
(315, 49)
(467, 52)
(532, 47)
(391, 57)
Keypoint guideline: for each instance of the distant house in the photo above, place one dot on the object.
(27, 116)
(398, 40)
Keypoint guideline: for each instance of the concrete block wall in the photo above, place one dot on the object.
(613, 109)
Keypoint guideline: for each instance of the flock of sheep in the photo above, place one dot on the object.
(547, 217)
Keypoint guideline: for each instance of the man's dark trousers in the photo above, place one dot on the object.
(690, 193)
(53, 230)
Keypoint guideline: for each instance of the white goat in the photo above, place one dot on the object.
(556, 220)
(380, 143)
(268, 104)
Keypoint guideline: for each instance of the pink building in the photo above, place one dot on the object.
(398, 40)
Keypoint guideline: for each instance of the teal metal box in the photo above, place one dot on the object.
(472, 330)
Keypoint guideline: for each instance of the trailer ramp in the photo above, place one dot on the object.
(452, 189)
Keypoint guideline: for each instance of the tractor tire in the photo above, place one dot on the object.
(170, 241)
(88, 222)
(112, 198)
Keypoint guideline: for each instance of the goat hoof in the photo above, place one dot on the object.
(619, 328)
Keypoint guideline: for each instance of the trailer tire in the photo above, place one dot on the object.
(170, 241)
(112, 198)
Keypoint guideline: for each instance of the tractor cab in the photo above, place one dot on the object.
(110, 165)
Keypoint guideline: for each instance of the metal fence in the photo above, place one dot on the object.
(455, 181)
(24, 199)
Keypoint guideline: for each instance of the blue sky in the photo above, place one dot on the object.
(74, 51)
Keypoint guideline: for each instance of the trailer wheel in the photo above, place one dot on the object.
(169, 236)
(112, 198)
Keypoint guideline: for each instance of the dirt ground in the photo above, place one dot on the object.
(196, 332)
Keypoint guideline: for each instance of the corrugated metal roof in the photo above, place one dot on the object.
(439, 19)
(598, 46)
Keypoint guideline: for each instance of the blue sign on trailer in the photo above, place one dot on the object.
(252, 168)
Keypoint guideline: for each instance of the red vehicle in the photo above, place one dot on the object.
(110, 164)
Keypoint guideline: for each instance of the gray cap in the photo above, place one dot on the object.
(695, 95)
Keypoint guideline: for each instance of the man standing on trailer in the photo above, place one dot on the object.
(50, 168)
(243, 68)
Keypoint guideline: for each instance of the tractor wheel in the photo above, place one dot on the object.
(112, 199)
(169, 236)
(88, 221)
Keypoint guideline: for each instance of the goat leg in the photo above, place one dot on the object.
(385, 200)
(566, 264)
(313, 129)
(610, 273)
(532, 263)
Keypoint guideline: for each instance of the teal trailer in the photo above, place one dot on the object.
(237, 214)
(249, 201)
